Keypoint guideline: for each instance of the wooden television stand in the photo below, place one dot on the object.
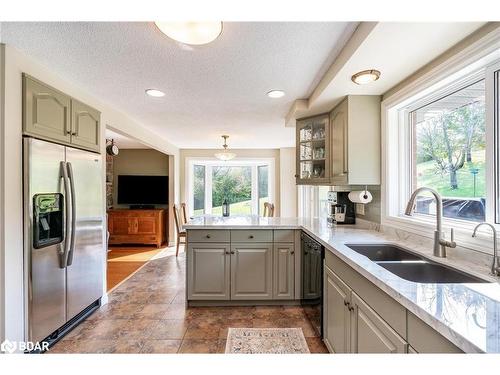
(142, 227)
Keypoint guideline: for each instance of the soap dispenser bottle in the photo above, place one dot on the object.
(225, 208)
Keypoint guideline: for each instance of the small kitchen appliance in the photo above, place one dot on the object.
(340, 209)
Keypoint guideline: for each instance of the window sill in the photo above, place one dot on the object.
(424, 227)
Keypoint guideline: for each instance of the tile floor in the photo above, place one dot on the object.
(147, 314)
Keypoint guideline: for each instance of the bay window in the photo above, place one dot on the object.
(245, 184)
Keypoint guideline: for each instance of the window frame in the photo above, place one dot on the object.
(410, 134)
(209, 163)
(396, 186)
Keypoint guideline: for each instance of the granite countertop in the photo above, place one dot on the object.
(466, 314)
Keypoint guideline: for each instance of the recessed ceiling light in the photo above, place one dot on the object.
(195, 33)
(366, 76)
(155, 93)
(276, 94)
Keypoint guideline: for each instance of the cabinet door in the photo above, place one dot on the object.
(251, 271)
(284, 271)
(146, 225)
(339, 134)
(85, 126)
(337, 317)
(46, 111)
(370, 333)
(118, 225)
(208, 271)
(313, 150)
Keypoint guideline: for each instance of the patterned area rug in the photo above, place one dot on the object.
(266, 341)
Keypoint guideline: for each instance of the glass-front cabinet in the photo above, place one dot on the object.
(313, 150)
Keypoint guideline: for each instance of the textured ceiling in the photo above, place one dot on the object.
(123, 141)
(219, 88)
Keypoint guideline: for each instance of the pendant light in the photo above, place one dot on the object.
(225, 154)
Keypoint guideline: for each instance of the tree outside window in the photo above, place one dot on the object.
(449, 152)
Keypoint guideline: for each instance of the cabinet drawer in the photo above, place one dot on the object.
(259, 235)
(208, 235)
(284, 235)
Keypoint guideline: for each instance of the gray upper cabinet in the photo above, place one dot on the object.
(54, 116)
(313, 150)
(338, 123)
(370, 333)
(46, 111)
(208, 271)
(284, 271)
(337, 316)
(85, 126)
(342, 147)
(355, 140)
(251, 271)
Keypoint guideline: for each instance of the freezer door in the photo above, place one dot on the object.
(45, 280)
(86, 260)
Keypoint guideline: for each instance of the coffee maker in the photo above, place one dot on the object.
(340, 209)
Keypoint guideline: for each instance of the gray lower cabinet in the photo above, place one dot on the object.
(251, 271)
(209, 271)
(284, 271)
(46, 111)
(337, 316)
(351, 326)
(370, 333)
(85, 126)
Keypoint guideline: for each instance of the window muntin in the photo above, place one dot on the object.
(448, 141)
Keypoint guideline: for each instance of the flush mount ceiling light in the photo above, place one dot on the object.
(155, 93)
(225, 154)
(276, 94)
(366, 76)
(194, 33)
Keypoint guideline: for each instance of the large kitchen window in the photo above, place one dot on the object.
(245, 184)
(444, 137)
(448, 139)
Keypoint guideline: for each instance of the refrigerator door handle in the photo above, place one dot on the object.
(73, 214)
(63, 256)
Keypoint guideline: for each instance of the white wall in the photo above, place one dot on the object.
(288, 188)
(15, 64)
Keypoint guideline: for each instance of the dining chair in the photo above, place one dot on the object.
(184, 215)
(268, 209)
(181, 233)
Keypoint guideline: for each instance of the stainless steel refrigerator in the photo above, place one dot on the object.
(64, 245)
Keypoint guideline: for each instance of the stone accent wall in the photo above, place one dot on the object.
(109, 181)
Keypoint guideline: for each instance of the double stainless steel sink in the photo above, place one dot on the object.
(411, 266)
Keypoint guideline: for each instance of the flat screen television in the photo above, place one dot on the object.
(142, 190)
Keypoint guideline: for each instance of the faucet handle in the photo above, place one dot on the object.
(451, 242)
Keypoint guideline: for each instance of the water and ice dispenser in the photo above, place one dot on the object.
(48, 219)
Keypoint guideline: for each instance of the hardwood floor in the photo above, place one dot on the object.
(124, 261)
(147, 314)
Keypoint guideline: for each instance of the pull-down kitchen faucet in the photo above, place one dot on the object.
(495, 266)
(440, 243)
